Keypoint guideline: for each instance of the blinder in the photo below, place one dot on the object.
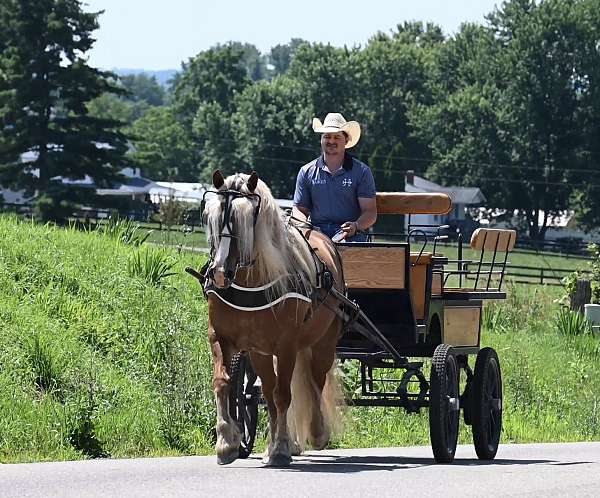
(229, 196)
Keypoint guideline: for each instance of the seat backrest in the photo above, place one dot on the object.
(413, 203)
(493, 239)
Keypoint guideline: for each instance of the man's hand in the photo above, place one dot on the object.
(350, 228)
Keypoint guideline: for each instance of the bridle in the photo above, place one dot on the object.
(226, 228)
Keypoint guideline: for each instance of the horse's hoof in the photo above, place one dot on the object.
(227, 458)
(279, 460)
(320, 444)
(295, 449)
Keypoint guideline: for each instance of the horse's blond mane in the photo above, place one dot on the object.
(279, 249)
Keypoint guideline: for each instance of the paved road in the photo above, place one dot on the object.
(548, 470)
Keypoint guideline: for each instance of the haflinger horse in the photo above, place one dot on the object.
(292, 338)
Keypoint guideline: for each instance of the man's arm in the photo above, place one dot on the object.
(302, 198)
(368, 212)
(300, 212)
(368, 216)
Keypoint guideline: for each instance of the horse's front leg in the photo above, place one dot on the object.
(280, 454)
(228, 434)
(263, 366)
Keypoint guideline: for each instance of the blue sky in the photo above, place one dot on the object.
(158, 34)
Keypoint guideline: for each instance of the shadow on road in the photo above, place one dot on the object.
(351, 464)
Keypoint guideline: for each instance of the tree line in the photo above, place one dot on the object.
(511, 106)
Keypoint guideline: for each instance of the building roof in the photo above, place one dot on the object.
(459, 195)
(131, 186)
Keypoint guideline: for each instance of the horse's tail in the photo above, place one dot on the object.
(304, 403)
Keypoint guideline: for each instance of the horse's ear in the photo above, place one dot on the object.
(218, 179)
(253, 181)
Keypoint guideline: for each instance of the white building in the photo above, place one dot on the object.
(462, 198)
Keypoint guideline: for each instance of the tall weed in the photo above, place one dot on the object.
(125, 231)
(187, 400)
(151, 265)
(44, 365)
(82, 424)
(571, 323)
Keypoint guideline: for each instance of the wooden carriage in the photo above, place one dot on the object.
(424, 304)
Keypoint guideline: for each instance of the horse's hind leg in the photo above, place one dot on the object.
(323, 356)
(228, 434)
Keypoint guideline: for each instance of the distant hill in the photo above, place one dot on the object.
(162, 76)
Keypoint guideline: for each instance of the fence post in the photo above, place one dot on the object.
(541, 275)
(581, 295)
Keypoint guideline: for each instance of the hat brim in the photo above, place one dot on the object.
(351, 128)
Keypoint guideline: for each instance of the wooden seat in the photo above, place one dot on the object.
(493, 245)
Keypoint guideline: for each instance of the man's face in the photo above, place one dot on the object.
(334, 143)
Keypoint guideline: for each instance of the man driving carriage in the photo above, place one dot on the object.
(337, 191)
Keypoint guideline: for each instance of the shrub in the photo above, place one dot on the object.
(171, 211)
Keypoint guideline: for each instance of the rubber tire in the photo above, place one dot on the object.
(244, 398)
(444, 416)
(486, 414)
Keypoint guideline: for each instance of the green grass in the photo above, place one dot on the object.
(180, 238)
(103, 353)
(96, 360)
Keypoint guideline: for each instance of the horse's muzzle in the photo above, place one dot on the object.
(222, 278)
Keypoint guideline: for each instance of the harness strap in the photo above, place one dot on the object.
(258, 298)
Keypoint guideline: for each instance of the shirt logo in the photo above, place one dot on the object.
(319, 181)
(347, 182)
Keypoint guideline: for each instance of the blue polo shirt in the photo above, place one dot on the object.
(333, 198)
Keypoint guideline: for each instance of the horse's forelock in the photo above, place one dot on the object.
(243, 214)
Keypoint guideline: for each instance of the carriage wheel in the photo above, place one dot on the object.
(444, 405)
(244, 396)
(486, 404)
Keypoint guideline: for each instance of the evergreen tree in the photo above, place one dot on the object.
(45, 84)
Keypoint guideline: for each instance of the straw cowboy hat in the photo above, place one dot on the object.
(335, 122)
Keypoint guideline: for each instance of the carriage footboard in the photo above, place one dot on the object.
(360, 322)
